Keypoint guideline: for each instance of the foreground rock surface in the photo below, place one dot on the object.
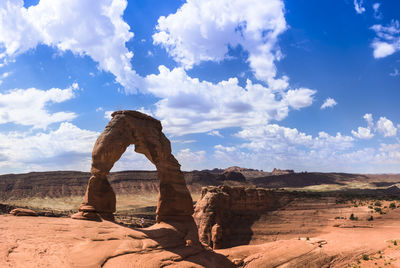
(63, 242)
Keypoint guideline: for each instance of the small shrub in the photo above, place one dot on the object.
(365, 257)
(371, 218)
(395, 242)
(352, 218)
(370, 207)
(378, 210)
(307, 238)
(378, 203)
(392, 205)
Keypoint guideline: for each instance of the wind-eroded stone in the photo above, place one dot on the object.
(23, 212)
(224, 214)
(145, 132)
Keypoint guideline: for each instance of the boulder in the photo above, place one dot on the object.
(23, 212)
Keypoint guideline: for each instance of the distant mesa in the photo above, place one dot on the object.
(278, 171)
(231, 176)
(392, 190)
(237, 169)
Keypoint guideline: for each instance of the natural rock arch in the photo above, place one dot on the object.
(145, 132)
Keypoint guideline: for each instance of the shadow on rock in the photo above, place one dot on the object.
(165, 243)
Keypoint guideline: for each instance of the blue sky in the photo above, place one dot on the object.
(304, 85)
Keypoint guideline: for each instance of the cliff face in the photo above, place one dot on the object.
(72, 183)
(56, 184)
(224, 215)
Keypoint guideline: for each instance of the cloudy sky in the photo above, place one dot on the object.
(305, 85)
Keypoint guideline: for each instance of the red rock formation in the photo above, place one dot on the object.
(145, 132)
(61, 242)
(23, 212)
(225, 214)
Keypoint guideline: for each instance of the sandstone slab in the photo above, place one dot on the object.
(23, 212)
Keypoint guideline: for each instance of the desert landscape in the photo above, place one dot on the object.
(262, 226)
(199, 133)
(235, 217)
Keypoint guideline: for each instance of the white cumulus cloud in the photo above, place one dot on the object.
(299, 98)
(92, 28)
(204, 30)
(67, 147)
(369, 119)
(273, 145)
(3, 76)
(387, 41)
(328, 103)
(362, 133)
(358, 6)
(107, 114)
(29, 107)
(377, 14)
(215, 133)
(386, 127)
(189, 105)
(189, 159)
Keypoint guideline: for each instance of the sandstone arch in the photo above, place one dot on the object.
(145, 132)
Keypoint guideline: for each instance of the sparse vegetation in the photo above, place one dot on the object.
(365, 257)
(379, 210)
(353, 218)
(340, 218)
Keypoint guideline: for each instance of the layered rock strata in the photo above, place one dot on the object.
(145, 132)
(224, 215)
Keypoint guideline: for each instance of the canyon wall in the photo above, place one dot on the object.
(224, 215)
